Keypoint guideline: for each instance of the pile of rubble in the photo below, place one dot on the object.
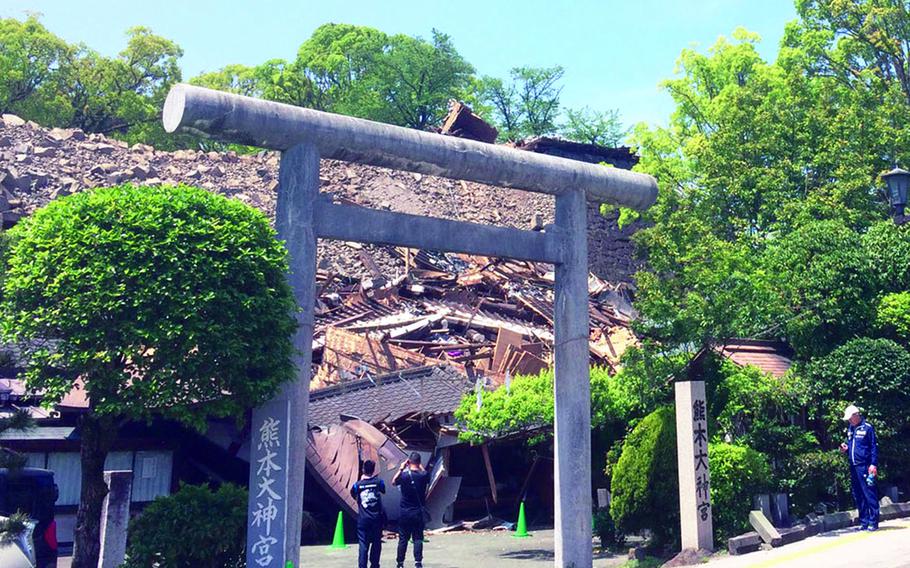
(39, 164)
(486, 317)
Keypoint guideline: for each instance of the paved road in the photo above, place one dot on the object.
(887, 548)
(458, 550)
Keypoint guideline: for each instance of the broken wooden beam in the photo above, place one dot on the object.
(489, 466)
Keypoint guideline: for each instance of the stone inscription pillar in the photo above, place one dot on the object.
(694, 477)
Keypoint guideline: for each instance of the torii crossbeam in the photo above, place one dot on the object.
(277, 447)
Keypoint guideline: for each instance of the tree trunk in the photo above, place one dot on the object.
(96, 435)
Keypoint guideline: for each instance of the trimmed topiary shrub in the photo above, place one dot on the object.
(645, 482)
(737, 473)
(194, 527)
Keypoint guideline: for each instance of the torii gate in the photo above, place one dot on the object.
(277, 448)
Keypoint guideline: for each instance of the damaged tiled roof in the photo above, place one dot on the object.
(770, 356)
(386, 398)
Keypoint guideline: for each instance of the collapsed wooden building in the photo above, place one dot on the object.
(414, 329)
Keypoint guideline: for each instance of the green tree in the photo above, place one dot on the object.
(824, 284)
(526, 106)
(594, 127)
(874, 374)
(361, 71)
(237, 79)
(163, 301)
(892, 315)
(416, 79)
(339, 59)
(887, 246)
(124, 95)
(20, 420)
(754, 409)
(30, 62)
(527, 406)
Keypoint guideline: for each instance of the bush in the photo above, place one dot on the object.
(754, 409)
(645, 482)
(605, 530)
(737, 473)
(194, 527)
(874, 374)
(892, 315)
(817, 477)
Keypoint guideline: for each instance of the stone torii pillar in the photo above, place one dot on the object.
(277, 449)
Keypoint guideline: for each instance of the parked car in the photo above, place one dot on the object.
(32, 491)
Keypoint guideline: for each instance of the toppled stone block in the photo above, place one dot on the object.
(895, 511)
(814, 525)
(744, 543)
(834, 521)
(794, 534)
(765, 529)
(116, 178)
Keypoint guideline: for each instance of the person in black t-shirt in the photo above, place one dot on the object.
(370, 515)
(413, 480)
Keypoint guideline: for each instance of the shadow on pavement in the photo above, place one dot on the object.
(534, 554)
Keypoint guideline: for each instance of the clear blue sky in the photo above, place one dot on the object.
(615, 53)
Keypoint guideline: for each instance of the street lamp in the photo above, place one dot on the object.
(898, 180)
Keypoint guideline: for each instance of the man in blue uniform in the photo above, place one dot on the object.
(862, 452)
(370, 515)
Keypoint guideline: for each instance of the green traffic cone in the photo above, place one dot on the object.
(338, 541)
(521, 529)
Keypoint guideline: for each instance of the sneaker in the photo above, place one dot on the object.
(871, 528)
(862, 528)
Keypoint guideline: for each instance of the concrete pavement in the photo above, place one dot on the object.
(459, 550)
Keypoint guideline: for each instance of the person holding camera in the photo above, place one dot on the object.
(413, 480)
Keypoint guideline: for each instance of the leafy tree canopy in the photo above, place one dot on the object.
(527, 406)
(158, 299)
(594, 127)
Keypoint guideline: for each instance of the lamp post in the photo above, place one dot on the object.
(898, 181)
